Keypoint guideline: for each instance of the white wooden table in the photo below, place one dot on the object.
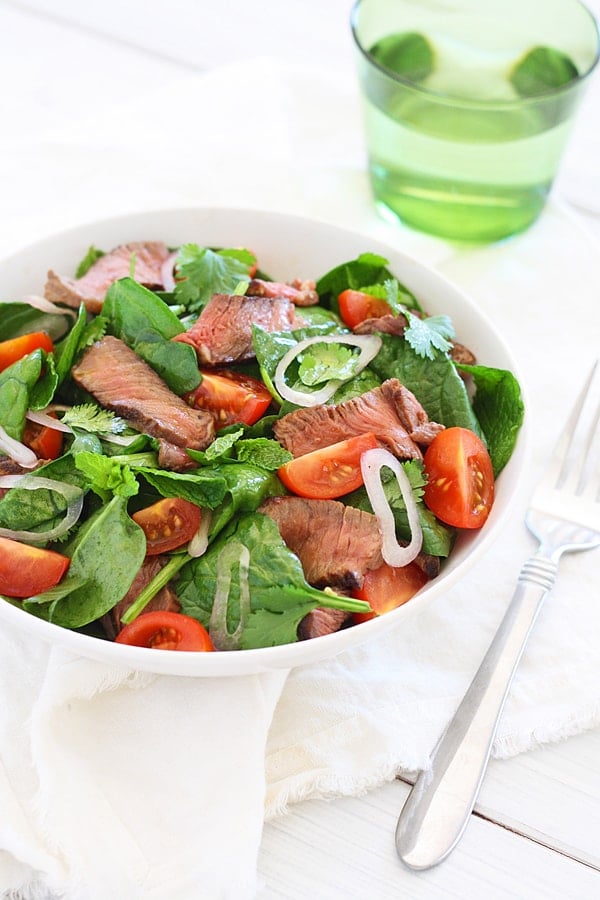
(535, 832)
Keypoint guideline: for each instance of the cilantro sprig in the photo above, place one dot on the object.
(93, 419)
(202, 272)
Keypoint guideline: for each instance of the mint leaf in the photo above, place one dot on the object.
(202, 272)
(540, 70)
(408, 54)
(263, 452)
(427, 335)
(107, 478)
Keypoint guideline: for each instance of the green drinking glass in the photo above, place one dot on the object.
(468, 105)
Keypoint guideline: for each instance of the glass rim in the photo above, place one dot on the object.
(469, 103)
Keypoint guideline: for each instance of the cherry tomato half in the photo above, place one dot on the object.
(460, 478)
(168, 524)
(388, 587)
(165, 630)
(26, 570)
(16, 348)
(46, 443)
(356, 306)
(230, 396)
(330, 471)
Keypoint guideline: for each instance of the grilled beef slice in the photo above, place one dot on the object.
(391, 411)
(322, 620)
(336, 544)
(119, 380)
(91, 288)
(223, 331)
(301, 293)
(166, 599)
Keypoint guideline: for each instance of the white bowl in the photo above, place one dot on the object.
(287, 247)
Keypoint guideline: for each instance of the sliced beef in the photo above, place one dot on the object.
(320, 621)
(336, 544)
(388, 324)
(461, 354)
(390, 411)
(119, 380)
(91, 288)
(301, 293)
(166, 599)
(223, 331)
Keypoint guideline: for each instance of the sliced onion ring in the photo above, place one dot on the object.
(198, 544)
(371, 463)
(232, 554)
(17, 451)
(42, 418)
(166, 271)
(72, 494)
(369, 344)
(47, 306)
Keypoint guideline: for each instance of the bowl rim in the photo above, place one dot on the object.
(286, 656)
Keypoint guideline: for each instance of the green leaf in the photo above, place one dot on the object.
(500, 409)
(17, 319)
(540, 70)
(206, 488)
(427, 335)
(42, 509)
(95, 419)
(323, 362)
(367, 268)
(106, 554)
(146, 324)
(107, 477)
(81, 335)
(435, 382)
(263, 452)
(408, 54)
(92, 256)
(221, 448)
(202, 272)
(17, 383)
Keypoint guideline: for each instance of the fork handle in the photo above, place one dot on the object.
(440, 803)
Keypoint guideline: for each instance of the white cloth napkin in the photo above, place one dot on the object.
(136, 786)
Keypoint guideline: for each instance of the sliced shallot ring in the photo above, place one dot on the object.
(232, 554)
(72, 494)
(166, 272)
(42, 418)
(18, 452)
(369, 345)
(47, 306)
(371, 463)
(198, 544)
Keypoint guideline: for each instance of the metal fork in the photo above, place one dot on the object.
(564, 516)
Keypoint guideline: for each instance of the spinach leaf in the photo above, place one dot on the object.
(265, 610)
(82, 335)
(206, 488)
(106, 554)
(42, 509)
(17, 319)
(141, 319)
(434, 382)
(16, 387)
(368, 268)
(203, 272)
(247, 486)
(499, 407)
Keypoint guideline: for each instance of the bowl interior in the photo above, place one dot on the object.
(287, 247)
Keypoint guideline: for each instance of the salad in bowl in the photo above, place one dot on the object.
(248, 437)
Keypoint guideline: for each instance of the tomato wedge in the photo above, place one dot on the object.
(26, 570)
(168, 524)
(460, 478)
(14, 349)
(329, 472)
(165, 630)
(230, 396)
(356, 306)
(46, 443)
(388, 587)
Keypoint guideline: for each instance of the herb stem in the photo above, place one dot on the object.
(153, 587)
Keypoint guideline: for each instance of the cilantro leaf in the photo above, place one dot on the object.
(202, 272)
(324, 362)
(427, 335)
(92, 418)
